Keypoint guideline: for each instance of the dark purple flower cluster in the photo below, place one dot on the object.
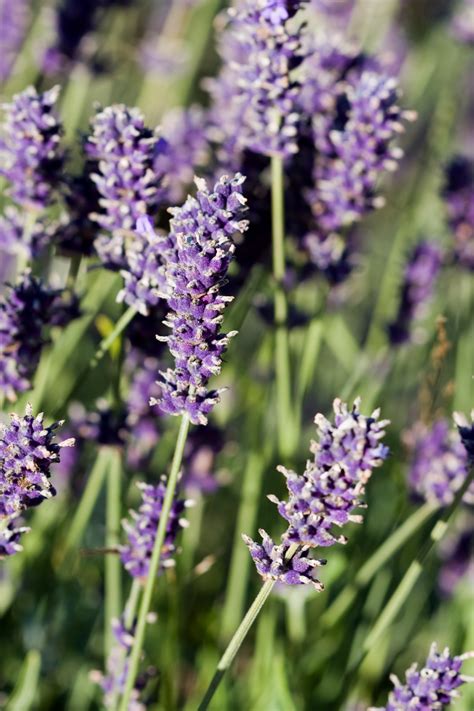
(125, 153)
(439, 463)
(145, 274)
(30, 147)
(76, 231)
(18, 237)
(27, 451)
(14, 18)
(255, 95)
(26, 309)
(466, 432)
(421, 271)
(432, 687)
(459, 197)
(113, 682)
(329, 490)
(141, 530)
(202, 230)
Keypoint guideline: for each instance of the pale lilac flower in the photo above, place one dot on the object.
(14, 19)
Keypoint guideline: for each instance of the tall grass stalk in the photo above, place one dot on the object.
(113, 567)
(154, 563)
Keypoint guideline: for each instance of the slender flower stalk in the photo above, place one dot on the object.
(113, 571)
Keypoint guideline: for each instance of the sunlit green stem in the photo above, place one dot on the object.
(87, 503)
(240, 563)
(25, 693)
(414, 571)
(376, 561)
(113, 568)
(120, 326)
(154, 563)
(282, 348)
(236, 641)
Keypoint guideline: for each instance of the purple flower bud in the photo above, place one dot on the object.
(10, 535)
(27, 451)
(141, 530)
(202, 230)
(14, 18)
(125, 152)
(30, 147)
(419, 280)
(432, 687)
(459, 197)
(25, 310)
(439, 463)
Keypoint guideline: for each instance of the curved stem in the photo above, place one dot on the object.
(154, 563)
(376, 561)
(120, 326)
(282, 348)
(236, 641)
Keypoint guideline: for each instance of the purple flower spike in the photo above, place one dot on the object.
(202, 230)
(430, 688)
(27, 451)
(145, 279)
(277, 562)
(439, 463)
(30, 147)
(125, 152)
(328, 491)
(417, 290)
(14, 18)
(141, 530)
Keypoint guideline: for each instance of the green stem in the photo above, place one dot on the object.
(282, 348)
(74, 268)
(414, 571)
(129, 617)
(86, 504)
(113, 568)
(120, 326)
(236, 641)
(155, 563)
(240, 563)
(26, 691)
(376, 561)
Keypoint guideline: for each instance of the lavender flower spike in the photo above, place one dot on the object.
(202, 229)
(432, 687)
(125, 152)
(141, 530)
(30, 147)
(325, 495)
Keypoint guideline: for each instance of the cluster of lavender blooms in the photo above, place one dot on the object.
(256, 90)
(126, 155)
(459, 198)
(30, 148)
(419, 280)
(113, 682)
(27, 451)
(14, 18)
(141, 530)
(324, 496)
(439, 463)
(26, 309)
(202, 231)
(435, 686)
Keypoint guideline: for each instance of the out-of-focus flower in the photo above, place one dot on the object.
(457, 555)
(27, 451)
(145, 274)
(466, 432)
(104, 425)
(113, 682)
(439, 463)
(202, 230)
(419, 280)
(329, 490)
(203, 444)
(125, 152)
(141, 530)
(459, 197)
(462, 24)
(30, 147)
(26, 309)
(188, 149)
(14, 19)
(254, 96)
(76, 230)
(432, 687)
(20, 238)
